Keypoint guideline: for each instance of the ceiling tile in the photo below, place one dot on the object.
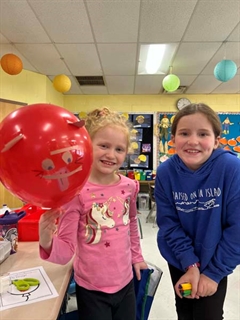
(44, 57)
(164, 21)
(82, 59)
(213, 21)
(203, 84)
(191, 57)
(70, 23)
(148, 84)
(114, 21)
(19, 23)
(118, 59)
(120, 84)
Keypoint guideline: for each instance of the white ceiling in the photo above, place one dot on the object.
(102, 38)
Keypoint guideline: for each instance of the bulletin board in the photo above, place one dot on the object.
(230, 136)
(141, 153)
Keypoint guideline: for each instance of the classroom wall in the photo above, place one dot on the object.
(31, 87)
(149, 103)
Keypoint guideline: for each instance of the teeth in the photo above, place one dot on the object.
(192, 151)
(108, 163)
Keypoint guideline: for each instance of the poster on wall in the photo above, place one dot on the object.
(163, 131)
(230, 138)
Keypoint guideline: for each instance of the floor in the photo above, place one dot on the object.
(163, 307)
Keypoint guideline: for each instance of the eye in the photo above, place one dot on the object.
(48, 164)
(204, 134)
(67, 157)
(183, 133)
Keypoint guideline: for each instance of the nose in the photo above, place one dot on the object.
(193, 140)
(111, 153)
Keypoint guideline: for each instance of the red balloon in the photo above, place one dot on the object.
(45, 154)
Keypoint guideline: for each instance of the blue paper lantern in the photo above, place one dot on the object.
(225, 70)
(171, 82)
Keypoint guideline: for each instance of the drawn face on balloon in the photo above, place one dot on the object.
(45, 154)
(61, 165)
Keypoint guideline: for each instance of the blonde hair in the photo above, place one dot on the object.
(100, 118)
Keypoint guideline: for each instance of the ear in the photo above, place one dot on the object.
(173, 138)
(216, 144)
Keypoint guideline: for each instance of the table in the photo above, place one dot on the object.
(26, 257)
(144, 185)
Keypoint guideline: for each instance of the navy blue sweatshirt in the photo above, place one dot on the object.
(198, 213)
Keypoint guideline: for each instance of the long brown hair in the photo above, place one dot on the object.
(193, 108)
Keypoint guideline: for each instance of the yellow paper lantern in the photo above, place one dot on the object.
(82, 115)
(62, 83)
(11, 64)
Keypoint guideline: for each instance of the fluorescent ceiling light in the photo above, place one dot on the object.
(156, 58)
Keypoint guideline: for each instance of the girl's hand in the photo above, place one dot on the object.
(47, 228)
(206, 286)
(139, 266)
(191, 276)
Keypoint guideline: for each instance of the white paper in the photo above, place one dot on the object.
(14, 298)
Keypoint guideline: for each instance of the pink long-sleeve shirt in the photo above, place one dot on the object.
(100, 227)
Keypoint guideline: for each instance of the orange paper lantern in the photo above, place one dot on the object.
(11, 64)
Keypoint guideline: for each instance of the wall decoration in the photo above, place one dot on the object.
(163, 132)
(136, 134)
(146, 147)
(139, 161)
(142, 121)
(230, 138)
(135, 147)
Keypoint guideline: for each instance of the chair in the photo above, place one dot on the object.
(152, 202)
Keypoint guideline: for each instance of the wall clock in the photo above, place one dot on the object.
(182, 102)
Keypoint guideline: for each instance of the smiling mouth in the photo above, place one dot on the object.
(192, 151)
(61, 175)
(108, 163)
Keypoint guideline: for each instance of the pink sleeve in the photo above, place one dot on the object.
(64, 243)
(134, 232)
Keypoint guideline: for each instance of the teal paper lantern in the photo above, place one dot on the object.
(171, 82)
(225, 70)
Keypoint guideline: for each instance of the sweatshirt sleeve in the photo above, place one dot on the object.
(134, 232)
(227, 253)
(174, 244)
(64, 243)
